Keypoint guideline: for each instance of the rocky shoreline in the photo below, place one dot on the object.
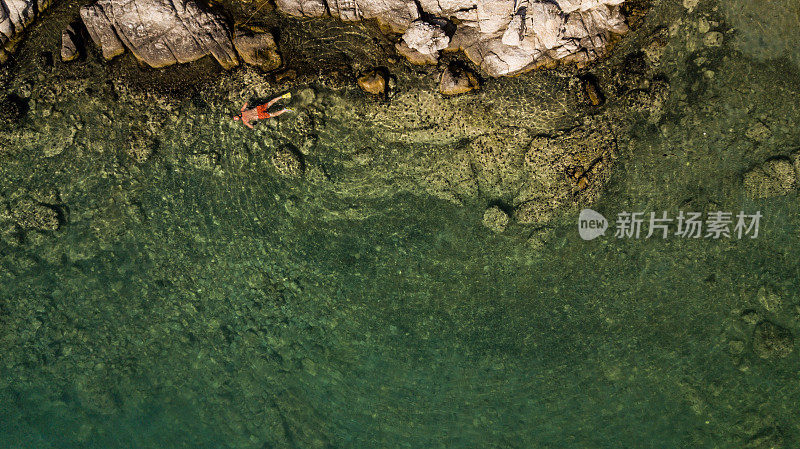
(408, 127)
(501, 37)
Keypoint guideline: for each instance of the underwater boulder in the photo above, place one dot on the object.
(374, 82)
(457, 79)
(495, 219)
(12, 108)
(288, 162)
(258, 49)
(415, 57)
(774, 177)
(772, 341)
(29, 214)
(72, 42)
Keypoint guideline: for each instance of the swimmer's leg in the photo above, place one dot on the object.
(285, 96)
(277, 113)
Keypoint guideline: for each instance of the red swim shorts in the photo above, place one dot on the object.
(262, 112)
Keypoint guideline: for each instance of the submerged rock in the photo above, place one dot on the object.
(774, 177)
(209, 160)
(288, 162)
(11, 110)
(495, 219)
(655, 48)
(30, 214)
(502, 37)
(374, 82)
(592, 91)
(771, 340)
(158, 32)
(258, 49)
(140, 148)
(56, 138)
(651, 98)
(457, 79)
(532, 212)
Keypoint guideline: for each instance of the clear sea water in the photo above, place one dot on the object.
(181, 306)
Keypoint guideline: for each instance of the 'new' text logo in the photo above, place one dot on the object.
(591, 224)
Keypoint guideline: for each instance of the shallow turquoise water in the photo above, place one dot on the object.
(413, 328)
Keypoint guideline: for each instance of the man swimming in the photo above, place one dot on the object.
(261, 112)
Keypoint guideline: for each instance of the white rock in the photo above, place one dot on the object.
(546, 23)
(158, 32)
(503, 37)
(494, 15)
(15, 15)
(426, 38)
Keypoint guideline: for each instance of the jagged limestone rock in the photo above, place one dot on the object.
(426, 38)
(69, 48)
(502, 37)
(71, 43)
(159, 32)
(415, 57)
(393, 14)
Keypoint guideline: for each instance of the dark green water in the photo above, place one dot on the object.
(185, 307)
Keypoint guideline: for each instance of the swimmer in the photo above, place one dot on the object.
(261, 112)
